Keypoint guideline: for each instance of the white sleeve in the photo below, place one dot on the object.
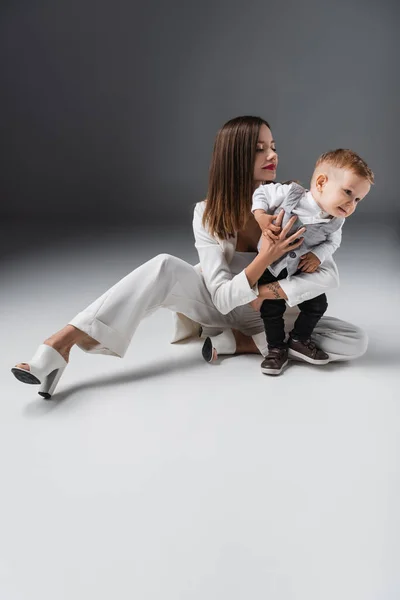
(269, 197)
(227, 291)
(325, 250)
(305, 286)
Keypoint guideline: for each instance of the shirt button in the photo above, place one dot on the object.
(292, 254)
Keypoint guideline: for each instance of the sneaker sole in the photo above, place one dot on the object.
(274, 371)
(299, 356)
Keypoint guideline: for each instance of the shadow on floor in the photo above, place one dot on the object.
(153, 370)
(157, 369)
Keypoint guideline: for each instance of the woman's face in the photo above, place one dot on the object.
(266, 157)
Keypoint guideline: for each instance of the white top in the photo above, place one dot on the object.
(269, 199)
(229, 291)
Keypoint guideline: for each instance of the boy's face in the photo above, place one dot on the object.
(340, 190)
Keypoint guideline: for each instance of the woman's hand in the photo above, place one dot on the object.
(275, 245)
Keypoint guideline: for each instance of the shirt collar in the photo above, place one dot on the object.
(318, 212)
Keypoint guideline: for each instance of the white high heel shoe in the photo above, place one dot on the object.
(46, 368)
(224, 343)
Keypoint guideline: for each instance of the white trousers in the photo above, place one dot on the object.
(169, 282)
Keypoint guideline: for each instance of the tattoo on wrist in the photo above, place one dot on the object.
(275, 287)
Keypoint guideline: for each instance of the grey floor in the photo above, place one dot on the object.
(160, 477)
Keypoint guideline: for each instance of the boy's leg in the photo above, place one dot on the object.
(300, 344)
(310, 313)
(272, 312)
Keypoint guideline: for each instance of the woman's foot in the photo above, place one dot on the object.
(50, 360)
(63, 340)
(228, 342)
(244, 343)
(208, 351)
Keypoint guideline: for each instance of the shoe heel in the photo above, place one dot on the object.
(208, 350)
(224, 343)
(50, 383)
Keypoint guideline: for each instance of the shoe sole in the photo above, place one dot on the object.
(274, 371)
(207, 350)
(25, 376)
(299, 356)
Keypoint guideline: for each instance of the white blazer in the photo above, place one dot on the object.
(229, 291)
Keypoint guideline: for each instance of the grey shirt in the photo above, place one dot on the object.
(323, 232)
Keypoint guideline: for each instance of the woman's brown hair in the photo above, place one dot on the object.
(231, 178)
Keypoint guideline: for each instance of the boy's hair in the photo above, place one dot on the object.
(347, 159)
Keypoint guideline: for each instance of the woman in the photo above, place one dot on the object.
(221, 292)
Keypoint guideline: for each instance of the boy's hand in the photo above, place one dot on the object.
(266, 222)
(309, 263)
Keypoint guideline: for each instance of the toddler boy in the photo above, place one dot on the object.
(341, 179)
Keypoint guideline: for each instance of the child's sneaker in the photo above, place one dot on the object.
(307, 351)
(275, 361)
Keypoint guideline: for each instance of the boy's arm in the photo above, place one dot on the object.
(264, 220)
(269, 197)
(325, 250)
(266, 199)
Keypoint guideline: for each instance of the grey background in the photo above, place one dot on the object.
(109, 109)
(161, 476)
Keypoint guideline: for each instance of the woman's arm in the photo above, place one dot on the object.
(301, 287)
(228, 291)
(273, 246)
(304, 286)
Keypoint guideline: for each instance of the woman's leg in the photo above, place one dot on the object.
(107, 325)
(164, 281)
(229, 341)
(340, 339)
(110, 322)
(248, 336)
